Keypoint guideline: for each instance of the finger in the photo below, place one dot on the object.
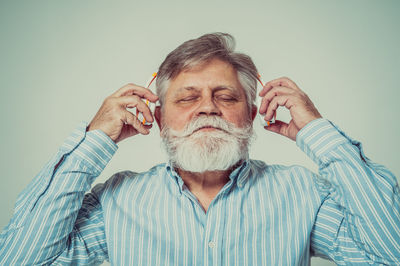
(132, 101)
(279, 127)
(270, 95)
(283, 81)
(282, 100)
(135, 123)
(129, 131)
(126, 132)
(132, 89)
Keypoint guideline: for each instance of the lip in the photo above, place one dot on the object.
(208, 128)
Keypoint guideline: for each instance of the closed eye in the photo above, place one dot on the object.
(226, 98)
(188, 99)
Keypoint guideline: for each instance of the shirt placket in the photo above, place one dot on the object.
(213, 223)
(213, 233)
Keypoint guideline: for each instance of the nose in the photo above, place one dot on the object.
(208, 107)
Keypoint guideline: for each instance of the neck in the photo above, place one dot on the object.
(206, 185)
(209, 181)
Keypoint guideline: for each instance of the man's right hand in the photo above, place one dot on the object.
(116, 121)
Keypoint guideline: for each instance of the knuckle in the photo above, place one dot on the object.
(109, 100)
(136, 123)
(129, 99)
(127, 117)
(106, 100)
(136, 98)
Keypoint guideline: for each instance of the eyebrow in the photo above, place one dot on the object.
(235, 91)
(183, 89)
(217, 88)
(188, 88)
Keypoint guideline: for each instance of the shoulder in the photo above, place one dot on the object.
(124, 179)
(261, 166)
(284, 174)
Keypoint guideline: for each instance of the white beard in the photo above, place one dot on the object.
(200, 151)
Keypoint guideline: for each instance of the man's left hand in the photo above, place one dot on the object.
(284, 92)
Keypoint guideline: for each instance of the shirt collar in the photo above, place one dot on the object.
(240, 173)
(174, 176)
(238, 176)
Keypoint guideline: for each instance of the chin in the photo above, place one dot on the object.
(205, 151)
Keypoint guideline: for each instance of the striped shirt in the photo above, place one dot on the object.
(265, 215)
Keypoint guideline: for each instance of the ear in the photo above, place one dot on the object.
(157, 115)
(253, 112)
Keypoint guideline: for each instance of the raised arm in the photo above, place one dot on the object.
(359, 220)
(45, 222)
(53, 220)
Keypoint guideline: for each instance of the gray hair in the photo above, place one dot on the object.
(201, 50)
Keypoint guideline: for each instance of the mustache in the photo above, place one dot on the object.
(209, 122)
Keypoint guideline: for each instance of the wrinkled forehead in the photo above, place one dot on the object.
(194, 62)
(210, 74)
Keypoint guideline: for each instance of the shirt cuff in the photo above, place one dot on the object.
(94, 147)
(319, 137)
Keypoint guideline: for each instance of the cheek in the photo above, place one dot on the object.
(238, 116)
(176, 119)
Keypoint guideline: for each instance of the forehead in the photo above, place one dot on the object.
(212, 74)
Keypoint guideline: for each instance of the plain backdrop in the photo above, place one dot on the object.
(60, 59)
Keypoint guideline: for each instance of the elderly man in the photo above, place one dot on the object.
(210, 204)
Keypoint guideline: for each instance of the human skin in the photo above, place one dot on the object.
(284, 92)
(116, 121)
(210, 89)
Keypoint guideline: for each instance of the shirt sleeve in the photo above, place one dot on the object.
(54, 222)
(359, 219)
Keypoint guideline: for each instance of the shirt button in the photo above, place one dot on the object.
(240, 185)
(211, 244)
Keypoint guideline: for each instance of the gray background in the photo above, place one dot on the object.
(59, 60)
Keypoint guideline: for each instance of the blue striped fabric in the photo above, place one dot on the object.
(265, 214)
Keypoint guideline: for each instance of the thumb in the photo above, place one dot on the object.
(283, 129)
(277, 127)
